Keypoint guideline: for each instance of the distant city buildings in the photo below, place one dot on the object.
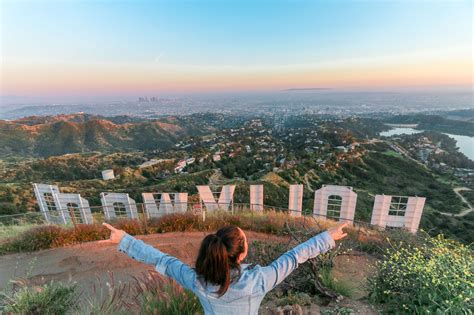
(152, 99)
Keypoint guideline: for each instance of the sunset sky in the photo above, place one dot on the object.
(77, 48)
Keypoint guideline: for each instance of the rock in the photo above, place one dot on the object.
(288, 310)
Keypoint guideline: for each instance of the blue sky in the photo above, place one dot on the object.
(256, 35)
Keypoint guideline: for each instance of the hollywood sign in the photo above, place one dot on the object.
(330, 201)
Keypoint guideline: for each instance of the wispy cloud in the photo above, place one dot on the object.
(159, 57)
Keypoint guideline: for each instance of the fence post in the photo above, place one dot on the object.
(73, 218)
(145, 219)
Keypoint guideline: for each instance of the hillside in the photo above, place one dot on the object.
(63, 134)
(302, 149)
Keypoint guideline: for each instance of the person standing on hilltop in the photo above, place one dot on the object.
(222, 284)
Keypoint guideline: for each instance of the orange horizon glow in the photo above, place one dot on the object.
(64, 78)
(86, 48)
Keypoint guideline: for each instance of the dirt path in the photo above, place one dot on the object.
(306, 179)
(216, 177)
(88, 263)
(465, 212)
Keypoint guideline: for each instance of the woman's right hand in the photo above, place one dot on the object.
(116, 235)
(337, 233)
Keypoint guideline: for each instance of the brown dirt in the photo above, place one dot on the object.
(88, 263)
(275, 179)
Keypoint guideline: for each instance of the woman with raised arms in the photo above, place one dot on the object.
(221, 282)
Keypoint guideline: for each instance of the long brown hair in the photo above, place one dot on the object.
(218, 254)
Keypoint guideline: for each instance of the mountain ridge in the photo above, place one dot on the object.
(56, 135)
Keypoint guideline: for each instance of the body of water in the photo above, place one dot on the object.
(464, 143)
(400, 131)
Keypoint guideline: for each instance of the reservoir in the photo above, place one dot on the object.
(464, 143)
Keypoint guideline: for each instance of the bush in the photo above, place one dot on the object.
(157, 295)
(435, 277)
(108, 298)
(292, 298)
(50, 236)
(37, 238)
(51, 299)
(87, 233)
(305, 279)
(328, 280)
(132, 227)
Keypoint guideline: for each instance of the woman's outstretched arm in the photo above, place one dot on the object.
(281, 268)
(165, 264)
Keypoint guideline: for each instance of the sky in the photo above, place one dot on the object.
(83, 48)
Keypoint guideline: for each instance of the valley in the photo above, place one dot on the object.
(178, 153)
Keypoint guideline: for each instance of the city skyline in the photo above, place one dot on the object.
(80, 49)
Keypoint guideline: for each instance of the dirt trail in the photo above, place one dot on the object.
(306, 179)
(88, 262)
(465, 212)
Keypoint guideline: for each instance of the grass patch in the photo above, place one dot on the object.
(50, 299)
(328, 280)
(11, 231)
(150, 293)
(157, 295)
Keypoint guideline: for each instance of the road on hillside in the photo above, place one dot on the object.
(464, 212)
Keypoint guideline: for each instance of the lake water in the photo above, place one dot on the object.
(400, 131)
(465, 143)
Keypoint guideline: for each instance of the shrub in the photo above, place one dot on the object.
(299, 298)
(49, 236)
(157, 295)
(9, 231)
(108, 298)
(132, 227)
(37, 238)
(177, 223)
(88, 232)
(435, 277)
(328, 280)
(50, 299)
(312, 277)
(173, 300)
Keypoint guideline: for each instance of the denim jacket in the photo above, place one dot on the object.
(247, 291)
